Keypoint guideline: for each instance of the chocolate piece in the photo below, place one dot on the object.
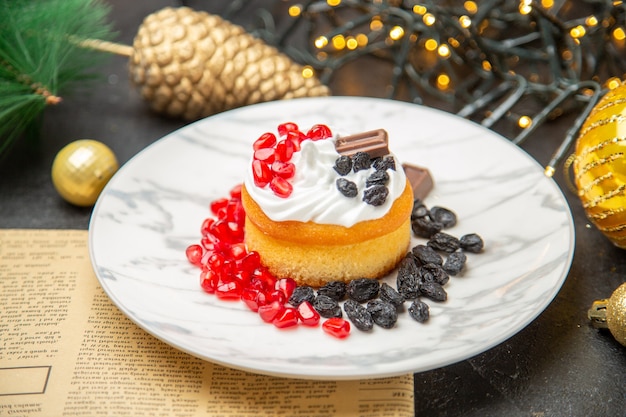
(420, 180)
(374, 142)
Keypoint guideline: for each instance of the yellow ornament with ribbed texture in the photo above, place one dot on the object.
(600, 165)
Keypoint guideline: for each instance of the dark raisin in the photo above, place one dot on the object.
(426, 255)
(377, 177)
(327, 307)
(425, 227)
(383, 164)
(376, 195)
(454, 263)
(383, 313)
(358, 315)
(334, 289)
(302, 294)
(363, 289)
(433, 290)
(419, 311)
(360, 161)
(471, 243)
(419, 210)
(343, 165)
(346, 187)
(444, 216)
(433, 272)
(407, 280)
(389, 294)
(444, 242)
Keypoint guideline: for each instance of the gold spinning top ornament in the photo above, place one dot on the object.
(600, 166)
(192, 64)
(610, 314)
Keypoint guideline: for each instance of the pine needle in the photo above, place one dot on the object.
(40, 58)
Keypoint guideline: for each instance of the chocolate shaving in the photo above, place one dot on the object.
(374, 142)
(420, 179)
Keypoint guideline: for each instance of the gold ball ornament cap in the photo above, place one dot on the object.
(81, 170)
(599, 166)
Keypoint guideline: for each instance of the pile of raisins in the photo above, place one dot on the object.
(421, 276)
(376, 190)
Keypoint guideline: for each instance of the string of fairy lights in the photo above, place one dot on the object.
(519, 62)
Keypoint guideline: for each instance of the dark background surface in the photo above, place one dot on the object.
(557, 366)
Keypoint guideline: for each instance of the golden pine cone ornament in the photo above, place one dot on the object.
(600, 165)
(192, 64)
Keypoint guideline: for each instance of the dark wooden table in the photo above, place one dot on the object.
(557, 366)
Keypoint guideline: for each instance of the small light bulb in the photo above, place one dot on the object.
(321, 42)
(471, 7)
(619, 34)
(443, 50)
(429, 19)
(431, 45)
(295, 11)
(443, 81)
(307, 72)
(524, 122)
(339, 42)
(397, 32)
(465, 21)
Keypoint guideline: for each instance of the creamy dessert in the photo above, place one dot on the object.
(322, 208)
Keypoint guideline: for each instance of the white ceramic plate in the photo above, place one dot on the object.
(153, 207)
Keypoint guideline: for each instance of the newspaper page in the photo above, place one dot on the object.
(66, 350)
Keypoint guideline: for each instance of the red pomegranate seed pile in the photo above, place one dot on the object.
(231, 272)
(271, 164)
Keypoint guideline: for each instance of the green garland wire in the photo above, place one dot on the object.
(41, 57)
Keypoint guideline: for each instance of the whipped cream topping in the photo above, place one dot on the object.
(315, 195)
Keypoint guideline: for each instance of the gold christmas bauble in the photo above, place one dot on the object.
(610, 313)
(192, 64)
(600, 166)
(81, 170)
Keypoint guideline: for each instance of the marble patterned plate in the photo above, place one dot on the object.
(152, 209)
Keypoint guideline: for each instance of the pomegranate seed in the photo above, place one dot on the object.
(285, 150)
(261, 299)
(268, 312)
(238, 251)
(217, 205)
(266, 140)
(227, 232)
(249, 297)
(206, 226)
(215, 261)
(337, 327)
(250, 262)
(235, 192)
(261, 172)
(284, 128)
(319, 132)
(265, 278)
(267, 155)
(194, 254)
(236, 231)
(307, 314)
(296, 137)
(286, 286)
(281, 187)
(235, 212)
(287, 318)
(276, 295)
(229, 290)
(285, 170)
(208, 281)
